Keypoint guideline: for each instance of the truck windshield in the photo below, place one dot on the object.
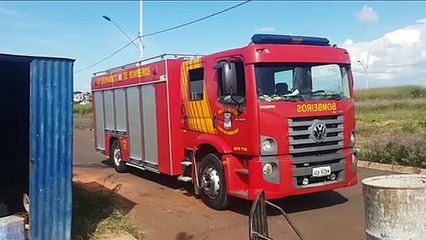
(298, 82)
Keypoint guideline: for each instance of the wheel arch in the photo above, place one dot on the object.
(214, 143)
(205, 149)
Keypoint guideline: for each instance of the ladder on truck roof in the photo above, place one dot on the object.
(146, 60)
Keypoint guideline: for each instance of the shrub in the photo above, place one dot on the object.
(395, 151)
(82, 109)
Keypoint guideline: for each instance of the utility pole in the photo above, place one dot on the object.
(140, 30)
(365, 69)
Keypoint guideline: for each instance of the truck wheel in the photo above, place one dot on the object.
(116, 157)
(26, 202)
(212, 180)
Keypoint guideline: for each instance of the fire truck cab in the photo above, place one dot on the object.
(277, 114)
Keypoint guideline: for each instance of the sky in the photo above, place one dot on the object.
(391, 35)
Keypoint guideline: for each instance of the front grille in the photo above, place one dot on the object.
(307, 154)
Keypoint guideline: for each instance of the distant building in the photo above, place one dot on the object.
(82, 98)
(78, 97)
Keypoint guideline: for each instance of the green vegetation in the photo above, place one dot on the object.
(391, 93)
(83, 116)
(82, 109)
(391, 125)
(96, 217)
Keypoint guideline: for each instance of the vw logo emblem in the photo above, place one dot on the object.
(318, 131)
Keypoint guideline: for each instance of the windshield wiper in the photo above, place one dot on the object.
(296, 97)
(334, 96)
(276, 98)
(295, 93)
(329, 95)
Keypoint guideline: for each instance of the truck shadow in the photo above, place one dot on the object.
(290, 204)
(164, 180)
(91, 165)
(294, 204)
(92, 204)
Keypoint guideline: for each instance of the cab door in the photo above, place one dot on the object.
(232, 122)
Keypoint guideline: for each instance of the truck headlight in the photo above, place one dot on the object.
(353, 139)
(268, 145)
(354, 156)
(269, 169)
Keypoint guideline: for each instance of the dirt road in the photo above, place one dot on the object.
(165, 208)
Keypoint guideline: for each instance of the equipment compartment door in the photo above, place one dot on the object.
(134, 118)
(99, 117)
(149, 115)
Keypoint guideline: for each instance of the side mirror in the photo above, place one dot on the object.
(229, 78)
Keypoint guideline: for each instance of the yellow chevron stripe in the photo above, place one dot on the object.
(209, 116)
(197, 116)
(193, 118)
(184, 87)
(203, 115)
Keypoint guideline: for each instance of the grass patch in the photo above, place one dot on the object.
(391, 125)
(96, 217)
(391, 120)
(390, 93)
(397, 150)
(82, 109)
(83, 116)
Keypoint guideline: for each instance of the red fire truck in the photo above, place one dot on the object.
(277, 114)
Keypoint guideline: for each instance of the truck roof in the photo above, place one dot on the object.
(287, 48)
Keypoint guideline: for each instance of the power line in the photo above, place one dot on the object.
(390, 68)
(106, 58)
(195, 21)
(407, 65)
(398, 65)
(119, 28)
(162, 31)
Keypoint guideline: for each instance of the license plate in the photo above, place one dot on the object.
(321, 171)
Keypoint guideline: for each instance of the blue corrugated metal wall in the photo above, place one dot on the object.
(51, 148)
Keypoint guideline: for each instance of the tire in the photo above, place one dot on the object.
(26, 202)
(213, 184)
(116, 157)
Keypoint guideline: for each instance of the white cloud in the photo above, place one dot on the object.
(421, 21)
(265, 29)
(403, 36)
(396, 58)
(367, 14)
(348, 42)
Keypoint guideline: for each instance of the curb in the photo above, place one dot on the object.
(391, 167)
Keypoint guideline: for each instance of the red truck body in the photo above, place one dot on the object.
(220, 121)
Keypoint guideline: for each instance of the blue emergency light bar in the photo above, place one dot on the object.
(288, 39)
